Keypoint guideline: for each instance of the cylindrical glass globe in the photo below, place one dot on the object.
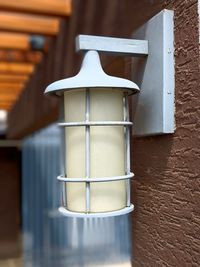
(105, 152)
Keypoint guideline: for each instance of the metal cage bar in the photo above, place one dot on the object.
(95, 179)
(95, 123)
(63, 155)
(69, 213)
(88, 180)
(87, 149)
(127, 145)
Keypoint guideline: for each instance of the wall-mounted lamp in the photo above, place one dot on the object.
(97, 130)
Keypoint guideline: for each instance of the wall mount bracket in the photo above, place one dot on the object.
(111, 45)
(152, 70)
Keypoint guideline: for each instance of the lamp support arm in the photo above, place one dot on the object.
(119, 46)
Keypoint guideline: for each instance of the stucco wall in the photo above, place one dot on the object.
(166, 222)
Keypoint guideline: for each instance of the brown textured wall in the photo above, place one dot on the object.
(166, 192)
(9, 202)
(166, 222)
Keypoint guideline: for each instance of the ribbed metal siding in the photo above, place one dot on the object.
(40, 196)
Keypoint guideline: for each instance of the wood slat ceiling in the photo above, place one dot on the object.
(14, 41)
(29, 23)
(16, 68)
(48, 7)
(8, 78)
(20, 56)
(20, 21)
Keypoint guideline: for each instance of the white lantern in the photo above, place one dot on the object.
(97, 141)
(97, 127)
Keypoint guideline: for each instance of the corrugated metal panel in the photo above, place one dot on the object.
(50, 240)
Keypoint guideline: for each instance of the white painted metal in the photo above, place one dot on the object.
(95, 123)
(69, 213)
(154, 105)
(95, 179)
(91, 75)
(87, 150)
(127, 151)
(112, 45)
(63, 163)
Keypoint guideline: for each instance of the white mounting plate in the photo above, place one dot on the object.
(153, 107)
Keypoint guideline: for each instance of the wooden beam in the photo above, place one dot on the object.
(46, 7)
(29, 23)
(13, 78)
(5, 101)
(11, 88)
(9, 93)
(20, 56)
(14, 41)
(8, 97)
(18, 41)
(10, 101)
(6, 106)
(17, 68)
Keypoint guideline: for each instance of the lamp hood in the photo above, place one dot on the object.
(91, 75)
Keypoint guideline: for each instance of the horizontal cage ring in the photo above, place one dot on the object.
(96, 123)
(95, 179)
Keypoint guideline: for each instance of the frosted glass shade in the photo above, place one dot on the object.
(107, 150)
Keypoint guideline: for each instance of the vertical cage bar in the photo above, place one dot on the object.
(127, 149)
(87, 149)
(64, 194)
(63, 153)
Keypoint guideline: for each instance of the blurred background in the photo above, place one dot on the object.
(36, 48)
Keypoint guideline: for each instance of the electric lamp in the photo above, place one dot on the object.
(96, 178)
(97, 141)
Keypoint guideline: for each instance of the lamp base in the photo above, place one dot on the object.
(69, 213)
